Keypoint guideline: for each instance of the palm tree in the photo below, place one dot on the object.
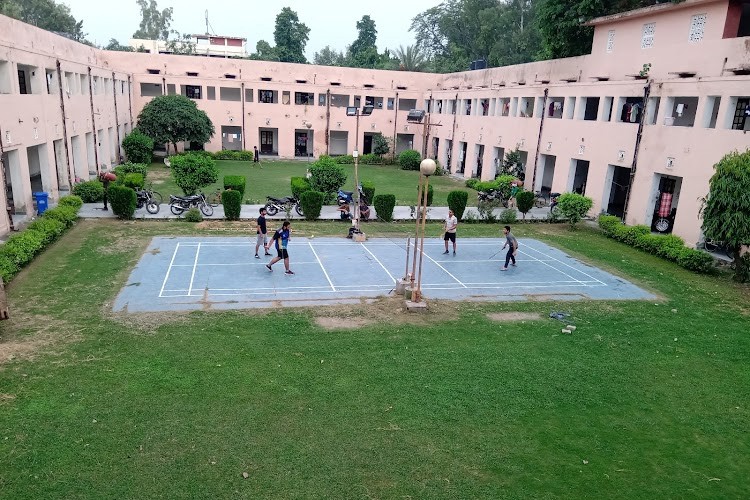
(411, 58)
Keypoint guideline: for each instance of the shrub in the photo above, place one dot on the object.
(438, 169)
(193, 215)
(229, 154)
(370, 159)
(695, 260)
(50, 229)
(629, 234)
(326, 176)
(609, 223)
(123, 201)
(457, 201)
(485, 186)
(486, 209)
(235, 183)
(133, 181)
(70, 201)
(66, 215)
(409, 159)
(131, 168)
(368, 188)
(138, 147)
(384, 204)
(430, 193)
(470, 183)
(193, 171)
(344, 160)
(232, 201)
(574, 207)
(22, 247)
(524, 201)
(312, 202)
(89, 191)
(299, 186)
(508, 216)
(503, 184)
(8, 267)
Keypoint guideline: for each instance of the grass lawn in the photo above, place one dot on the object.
(645, 400)
(273, 179)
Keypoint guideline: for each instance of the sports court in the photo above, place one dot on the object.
(190, 273)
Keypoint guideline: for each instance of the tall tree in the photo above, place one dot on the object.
(154, 24)
(329, 57)
(290, 36)
(363, 53)
(170, 119)
(264, 52)
(410, 58)
(115, 45)
(44, 14)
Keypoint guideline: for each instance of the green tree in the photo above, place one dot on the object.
(327, 176)
(380, 145)
(44, 14)
(329, 57)
(154, 24)
(264, 52)
(170, 119)
(363, 53)
(290, 36)
(574, 207)
(726, 210)
(410, 58)
(138, 147)
(181, 44)
(193, 171)
(512, 165)
(115, 45)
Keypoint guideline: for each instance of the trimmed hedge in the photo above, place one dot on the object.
(409, 159)
(457, 201)
(70, 201)
(430, 192)
(123, 201)
(368, 188)
(370, 159)
(312, 203)
(138, 147)
(235, 183)
(299, 186)
(668, 247)
(344, 160)
(384, 204)
(21, 248)
(232, 201)
(193, 215)
(121, 171)
(525, 201)
(89, 191)
(229, 154)
(133, 181)
(471, 183)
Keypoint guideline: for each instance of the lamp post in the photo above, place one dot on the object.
(307, 143)
(426, 169)
(356, 112)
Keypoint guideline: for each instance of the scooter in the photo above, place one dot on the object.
(276, 205)
(180, 204)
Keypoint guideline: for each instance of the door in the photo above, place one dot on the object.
(367, 146)
(300, 144)
(663, 219)
(266, 142)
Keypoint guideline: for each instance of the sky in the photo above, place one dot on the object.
(331, 22)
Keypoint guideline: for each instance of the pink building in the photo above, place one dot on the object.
(636, 125)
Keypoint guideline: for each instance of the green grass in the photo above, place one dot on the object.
(274, 178)
(445, 405)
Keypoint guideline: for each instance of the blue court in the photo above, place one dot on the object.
(190, 273)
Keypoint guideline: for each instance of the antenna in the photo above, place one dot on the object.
(209, 28)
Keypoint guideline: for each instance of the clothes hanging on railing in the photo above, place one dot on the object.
(665, 205)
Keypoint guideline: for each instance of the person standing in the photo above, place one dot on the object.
(450, 231)
(106, 178)
(262, 232)
(512, 242)
(281, 240)
(256, 155)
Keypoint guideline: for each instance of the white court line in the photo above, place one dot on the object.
(195, 264)
(444, 269)
(378, 261)
(169, 269)
(553, 267)
(253, 263)
(566, 264)
(321, 266)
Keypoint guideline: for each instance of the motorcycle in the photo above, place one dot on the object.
(145, 198)
(347, 197)
(492, 195)
(276, 205)
(180, 204)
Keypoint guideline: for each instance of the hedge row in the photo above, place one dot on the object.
(235, 183)
(21, 248)
(669, 247)
(232, 201)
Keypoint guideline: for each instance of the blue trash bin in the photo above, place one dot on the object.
(41, 201)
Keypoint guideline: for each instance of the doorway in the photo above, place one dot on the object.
(665, 207)
(544, 182)
(479, 149)
(615, 190)
(300, 143)
(448, 154)
(462, 146)
(231, 138)
(579, 174)
(267, 141)
(367, 146)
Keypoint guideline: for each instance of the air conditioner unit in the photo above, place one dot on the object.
(415, 116)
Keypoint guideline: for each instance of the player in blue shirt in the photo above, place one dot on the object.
(281, 240)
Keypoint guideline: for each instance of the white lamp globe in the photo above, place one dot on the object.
(427, 167)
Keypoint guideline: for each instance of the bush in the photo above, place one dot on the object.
(508, 216)
(89, 191)
(232, 201)
(22, 247)
(235, 183)
(574, 207)
(524, 201)
(485, 186)
(409, 159)
(629, 234)
(312, 202)
(326, 176)
(370, 159)
(384, 204)
(229, 154)
(50, 229)
(438, 169)
(193, 171)
(430, 192)
(344, 160)
(609, 224)
(486, 209)
(131, 168)
(470, 183)
(503, 184)
(133, 181)
(368, 188)
(193, 215)
(123, 201)
(457, 201)
(138, 147)
(66, 215)
(299, 186)
(70, 201)
(695, 260)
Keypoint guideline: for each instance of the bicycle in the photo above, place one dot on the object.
(540, 200)
(721, 247)
(214, 199)
(154, 195)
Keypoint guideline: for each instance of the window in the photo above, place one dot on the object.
(400, 88)
(697, 23)
(741, 114)
(304, 98)
(22, 86)
(153, 71)
(248, 95)
(211, 93)
(390, 103)
(266, 96)
(230, 94)
(647, 38)
(335, 84)
(369, 86)
(192, 73)
(265, 78)
(192, 91)
(285, 97)
(711, 113)
(610, 41)
(230, 76)
(301, 81)
(321, 99)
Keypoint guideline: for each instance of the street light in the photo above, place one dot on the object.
(307, 150)
(426, 169)
(356, 112)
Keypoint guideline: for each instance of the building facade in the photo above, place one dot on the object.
(637, 125)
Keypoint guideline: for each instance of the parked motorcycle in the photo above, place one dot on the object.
(276, 205)
(347, 197)
(492, 195)
(146, 198)
(180, 204)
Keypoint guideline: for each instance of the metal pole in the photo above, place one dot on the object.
(417, 296)
(416, 233)
(408, 249)
(356, 175)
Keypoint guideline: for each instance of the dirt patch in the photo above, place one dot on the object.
(336, 323)
(385, 310)
(514, 316)
(230, 226)
(6, 398)
(53, 333)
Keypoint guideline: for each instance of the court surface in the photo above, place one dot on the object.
(191, 273)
